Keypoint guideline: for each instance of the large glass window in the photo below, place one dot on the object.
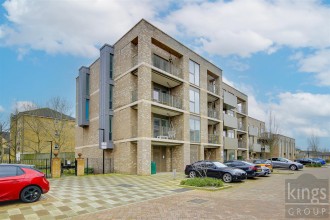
(110, 96)
(111, 66)
(194, 100)
(110, 128)
(195, 128)
(87, 110)
(193, 72)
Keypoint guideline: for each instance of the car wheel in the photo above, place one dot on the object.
(30, 194)
(293, 167)
(227, 177)
(192, 174)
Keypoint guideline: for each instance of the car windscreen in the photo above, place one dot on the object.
(248, 163)
(218, 164)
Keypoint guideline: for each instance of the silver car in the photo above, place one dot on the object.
(279, 162)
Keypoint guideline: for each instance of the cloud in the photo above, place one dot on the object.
(303, 114)
(74, 27)
(319, 64)
(2, 109)
(246, 27)
(21, 106)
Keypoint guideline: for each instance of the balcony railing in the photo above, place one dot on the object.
(214, 139)
(213, 88)
(195, 136)
(265, 148)
(241, 127)
(167, 66)
(163, 132)
(241, 144)
(167, 99)
(241, 110)
(212, 113)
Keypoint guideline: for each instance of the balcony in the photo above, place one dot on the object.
(230, 121)
(253, 131)
(214, 139)
(162, 132)
(242, 144)
(241, 126)
(229, 100)
(166, 66)
(212, 113)
(134, 60)
(241, 110)
(213, 88)
(167, 99)
(230, 143)
(255, 147)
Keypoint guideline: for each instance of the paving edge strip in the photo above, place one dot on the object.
(208, 188)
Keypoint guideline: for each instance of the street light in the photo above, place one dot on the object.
(51, 155)
(103, 140)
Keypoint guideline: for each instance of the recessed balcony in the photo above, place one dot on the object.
(212, 113)
(166, 66)
(214, 139)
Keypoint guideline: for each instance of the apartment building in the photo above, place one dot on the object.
(285, 147)
(149, 98)
(256, 149)
(235, 121)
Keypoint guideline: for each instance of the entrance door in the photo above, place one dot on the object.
(159, 156)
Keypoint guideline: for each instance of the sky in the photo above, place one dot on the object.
(275, 51)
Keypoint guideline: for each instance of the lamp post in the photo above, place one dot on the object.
(51, 155)
(103, 140)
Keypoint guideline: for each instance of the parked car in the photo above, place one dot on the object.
(215, 169)
(264, 163)
(265, 171)
(306, 161)
(252, 170)
(323, 162)
(279, 162)
(22, 182)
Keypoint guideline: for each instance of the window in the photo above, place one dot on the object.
(7, 171)
(110, 128)
(193, 72)
(87, 84)
(111, 66)
(87, 110)
(110, 96)
(194, 100)
(195, 127)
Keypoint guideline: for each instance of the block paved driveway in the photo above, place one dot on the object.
(156, 197)
(73, 196)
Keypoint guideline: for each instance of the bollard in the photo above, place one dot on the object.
(174, 174)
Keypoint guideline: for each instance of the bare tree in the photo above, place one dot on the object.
(271, 136)
(313, 143)
(58, 128)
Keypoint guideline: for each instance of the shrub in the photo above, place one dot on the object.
(69, 171)
(90, 170)
(202, 182)
(314, 165)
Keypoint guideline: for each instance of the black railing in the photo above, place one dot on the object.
(40, 164)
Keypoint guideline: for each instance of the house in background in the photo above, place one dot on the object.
(36, 132)
(4, 145)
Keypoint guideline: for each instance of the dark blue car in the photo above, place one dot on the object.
(319, 160)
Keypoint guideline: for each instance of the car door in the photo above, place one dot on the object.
(283, 163)
(11, 178)
(211, 170)
(275, 162)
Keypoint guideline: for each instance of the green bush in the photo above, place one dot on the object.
(314, 165)
(90, 170)
(68, 171)
(202, 182)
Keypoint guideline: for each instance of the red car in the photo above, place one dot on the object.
(18, 181)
